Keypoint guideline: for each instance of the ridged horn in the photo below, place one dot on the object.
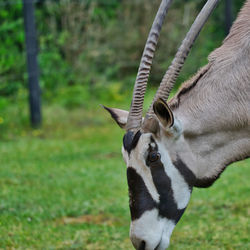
(174, 69)
(135, 113)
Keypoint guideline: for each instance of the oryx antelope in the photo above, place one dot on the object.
(189, 141)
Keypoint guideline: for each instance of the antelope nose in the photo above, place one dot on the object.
(142, 245)
(138, 244)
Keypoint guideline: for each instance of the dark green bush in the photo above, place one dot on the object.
(92, 45)
(12, 56)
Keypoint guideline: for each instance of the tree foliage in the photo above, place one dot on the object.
(97, 44)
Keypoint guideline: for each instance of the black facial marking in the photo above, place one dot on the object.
(167, 206)
(130, 140)
(187, 174)
(152, 151)
(140, 199)
(127, 141)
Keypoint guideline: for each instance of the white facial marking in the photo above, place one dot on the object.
(179, 186)
(137, 161)
(125, 155)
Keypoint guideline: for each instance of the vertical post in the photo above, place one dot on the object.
(228, 15)
(31, 48)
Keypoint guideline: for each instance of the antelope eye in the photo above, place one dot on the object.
(154, 156)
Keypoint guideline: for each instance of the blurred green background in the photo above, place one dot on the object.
(91, 49)
(63, 185)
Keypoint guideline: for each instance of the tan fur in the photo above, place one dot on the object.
(212, 109)
(187, 86)
(151, 126)
(214, 105)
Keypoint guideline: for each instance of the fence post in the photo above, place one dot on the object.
(228, 15)
(33, 72)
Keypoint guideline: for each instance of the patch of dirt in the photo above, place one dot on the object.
(108, 155)
(90, 219)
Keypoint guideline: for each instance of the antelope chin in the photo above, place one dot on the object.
(155, 231)
(165, 240)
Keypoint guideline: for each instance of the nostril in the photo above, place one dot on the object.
(142, 245)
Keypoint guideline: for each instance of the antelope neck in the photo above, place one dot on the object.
(206, 153)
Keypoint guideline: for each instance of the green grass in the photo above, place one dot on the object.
(64, 187)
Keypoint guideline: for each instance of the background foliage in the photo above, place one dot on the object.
(91, 49)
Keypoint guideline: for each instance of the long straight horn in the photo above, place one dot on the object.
(174, 69)
(135, 113)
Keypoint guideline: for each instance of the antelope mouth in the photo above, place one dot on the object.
(157, 247)
(162, 245)
(143, 246)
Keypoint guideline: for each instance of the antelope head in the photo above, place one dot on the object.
(159, 191)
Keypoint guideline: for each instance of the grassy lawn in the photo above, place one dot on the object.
(64, 187)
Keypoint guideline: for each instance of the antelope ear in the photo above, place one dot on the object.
(163, 113)
(120, 116)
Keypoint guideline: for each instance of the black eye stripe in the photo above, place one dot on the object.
(139, 196)
(140, 199)
(154, 156)
(167, 205)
